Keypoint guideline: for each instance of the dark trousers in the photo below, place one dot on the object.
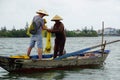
(59, 47)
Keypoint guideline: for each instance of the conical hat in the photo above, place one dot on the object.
(56, 17)
(42, 11)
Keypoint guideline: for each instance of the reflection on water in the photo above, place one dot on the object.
(35, 76)
(53, 75)
(50, 75)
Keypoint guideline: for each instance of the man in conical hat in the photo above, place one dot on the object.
(38, 20)
(60, 37)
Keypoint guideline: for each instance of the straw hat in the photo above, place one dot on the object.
(56, 17)
(42, 11)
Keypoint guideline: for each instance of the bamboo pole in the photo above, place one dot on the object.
(82, 51)
(103, 45)
(102, 31)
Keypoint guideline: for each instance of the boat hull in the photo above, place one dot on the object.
(34, 65)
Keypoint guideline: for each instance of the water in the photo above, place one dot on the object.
(109, 71)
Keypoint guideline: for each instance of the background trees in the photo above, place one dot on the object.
(85, 32)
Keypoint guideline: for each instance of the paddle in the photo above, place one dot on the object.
(82, 51)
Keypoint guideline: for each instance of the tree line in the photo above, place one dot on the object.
(69, 33)
(85, 32)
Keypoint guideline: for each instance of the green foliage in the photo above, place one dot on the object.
(88, 33)
(12, 33)
(118, 31)
(70, 34)
(84, 33)
(22, 32)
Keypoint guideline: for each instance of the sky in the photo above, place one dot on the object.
(76, 14)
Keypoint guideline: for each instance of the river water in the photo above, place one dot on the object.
(109, 71)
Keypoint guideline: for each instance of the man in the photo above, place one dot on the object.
(60, 39)
(38, 20)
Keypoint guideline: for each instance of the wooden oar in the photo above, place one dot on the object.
(82, 51)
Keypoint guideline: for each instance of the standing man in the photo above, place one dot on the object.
(59, 31)
(39, 22)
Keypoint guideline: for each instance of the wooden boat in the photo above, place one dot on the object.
(78, 59)
(20, 65)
